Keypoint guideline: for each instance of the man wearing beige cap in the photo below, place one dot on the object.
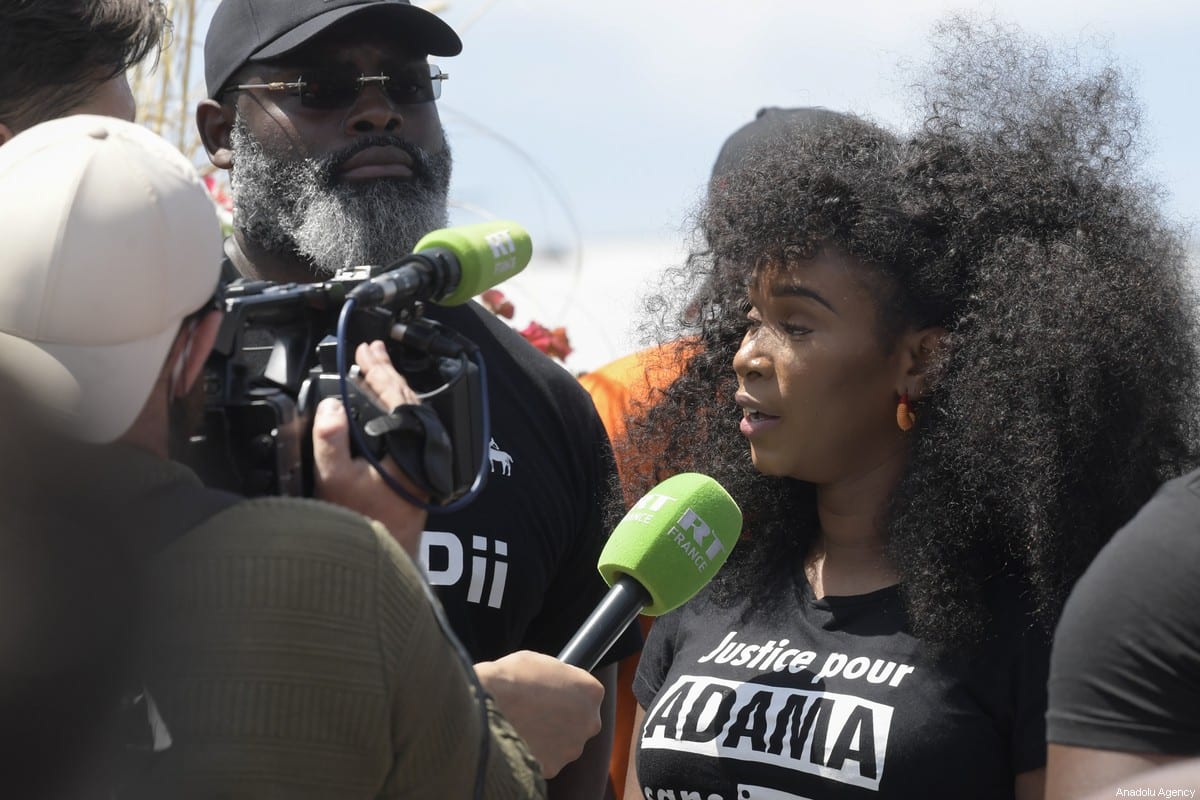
(290, 649)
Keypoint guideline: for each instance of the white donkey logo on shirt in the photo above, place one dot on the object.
(498, 456)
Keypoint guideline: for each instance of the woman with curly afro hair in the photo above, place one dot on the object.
(937, 371)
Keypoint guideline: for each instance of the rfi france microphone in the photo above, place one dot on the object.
(451, 265)
(663, 551)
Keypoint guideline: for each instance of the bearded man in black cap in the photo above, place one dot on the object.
(325, 114)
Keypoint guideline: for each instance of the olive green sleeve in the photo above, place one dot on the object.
(438, 722)
(292, 652)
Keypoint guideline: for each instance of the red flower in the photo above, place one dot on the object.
(495, 301)
(551, 342)
(218, 193)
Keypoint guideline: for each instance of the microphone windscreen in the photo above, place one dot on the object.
(674, 540)
(487, 253)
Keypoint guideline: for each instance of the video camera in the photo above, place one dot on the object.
(282, 348)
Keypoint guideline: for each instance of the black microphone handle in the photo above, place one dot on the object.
(620, 606)
(428, 275)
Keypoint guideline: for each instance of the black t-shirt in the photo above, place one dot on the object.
(516, 569)
(833, 698)
(1125, 667)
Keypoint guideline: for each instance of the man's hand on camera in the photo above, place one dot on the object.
(352, 482)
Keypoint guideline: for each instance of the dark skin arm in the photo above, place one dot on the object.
(1176, 773)
(1078, 772)
(586, 777)
(1030, 785)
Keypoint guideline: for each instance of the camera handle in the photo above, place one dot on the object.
(454, 348)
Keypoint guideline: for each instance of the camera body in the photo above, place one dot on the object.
(275, 359)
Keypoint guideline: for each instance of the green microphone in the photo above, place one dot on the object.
(450, 266)
(665, 549)
(486, 253)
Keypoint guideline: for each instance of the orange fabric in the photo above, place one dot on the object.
(627, 705)
(619, 389)
(630, 384)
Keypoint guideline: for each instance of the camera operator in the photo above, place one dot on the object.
(289, 647)
(325, 114)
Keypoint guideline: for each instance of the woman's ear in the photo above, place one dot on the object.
(922, 353)
(215, 122)
(6, 133)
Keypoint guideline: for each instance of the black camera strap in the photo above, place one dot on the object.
(418, 442)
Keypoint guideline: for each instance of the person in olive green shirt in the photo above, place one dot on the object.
(289, 647)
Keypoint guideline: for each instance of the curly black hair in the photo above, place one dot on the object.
(1014, 217)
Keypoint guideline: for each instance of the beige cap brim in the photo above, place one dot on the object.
(97, 391)
(47, 382)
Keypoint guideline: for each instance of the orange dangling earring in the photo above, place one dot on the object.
(905, 416)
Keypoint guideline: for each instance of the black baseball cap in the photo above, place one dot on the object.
(772, 123)
(242, 30)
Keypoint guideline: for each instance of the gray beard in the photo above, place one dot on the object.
(298, 207)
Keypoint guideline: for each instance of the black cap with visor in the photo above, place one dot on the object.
(259, 30)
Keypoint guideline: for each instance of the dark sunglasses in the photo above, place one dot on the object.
(327, 91)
